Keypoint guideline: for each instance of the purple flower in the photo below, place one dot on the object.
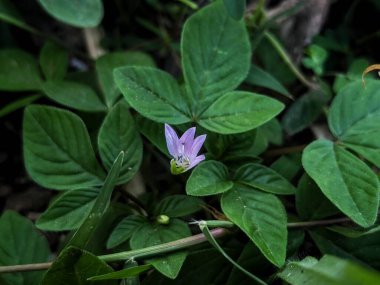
(184, 150)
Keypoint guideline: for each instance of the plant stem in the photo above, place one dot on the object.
(285, 150)
(311, 224)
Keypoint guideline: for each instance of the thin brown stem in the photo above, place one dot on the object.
(310, 224)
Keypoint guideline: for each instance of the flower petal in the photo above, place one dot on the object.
(197, 145)
(187, 140)
(172, 140)
(196, 161)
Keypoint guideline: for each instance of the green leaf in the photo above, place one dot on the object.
(68, 211)
(272, 130)
(54, 61)
(124, 230)
(18, 104)
(288, 165)
(155, 234)
(239, 111)
(57, 149)
(212, 65)
(263, 178)
(235, 8)
(121, 274)
(330, 270)
(262, 217)
(303, 112)
(82, 14)
(74, 266)
(106, 64)
(354, 118)
(311, 204)
(175, 206)
(118, 133)
(260, 77)
(344, 179)
(153, 93)
(18, 71)
(20, 243)
(9, 14)
(208, 178)
(317, 56)
(83, 235)
(354, 232)
(74, 95)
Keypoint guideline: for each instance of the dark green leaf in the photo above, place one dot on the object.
(18, 71)
(54, 61)
(263, 178)
(347, 181)
(153, 93)
(106, 64)
(74, 95)
(208, 178)
(57, 149)
(20, 243)
(212, 65)
(330, 270)
(272, 130)
(68, 211)
(121, 274)
(118, 133)
(155, 234)
(18, 104)
(235, 8)
(238, 112)
(82, 14)
(175, 206)
(262, 217)
(9, 14)
(288, 165)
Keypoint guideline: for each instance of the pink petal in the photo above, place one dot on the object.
(187, 140)
(172, 140)
(196, 161)
(197, 145)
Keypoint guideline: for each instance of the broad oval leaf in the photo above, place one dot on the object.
(118, 133)
(209, 178)
(106, 64)
(347, 181)
(155, 234)
(235, 8)
(175, 206)
(153, 93)
(18, 71)
(54, 61)
(354, 118)
(68, 211)
(264, 178)
(74, 266)
(57, 149)
(20, 243)
(74, 95)
(215, 53)
(82, 14)
(262, 217)
(239, 111)
(124, 230)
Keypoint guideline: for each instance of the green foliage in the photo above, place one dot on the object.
(176, 206)
(235, 8)
(54, 61)
(20, 243)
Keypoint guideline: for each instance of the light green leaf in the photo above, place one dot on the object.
(68, 211)
(259, 77)
(57, 149)
(106, 64)
(263, 178)
(311, 204)
(153, 93)
(9, 14)
(208, 178)
(73, 266)
(118, 133)
(18, 71)
(215, 53)
(238, 112)
(54, 61)
(330, 270)
(235, 8)
(175, 206)
(121, 274)
(74, 95)
(124, 230)
(155, 234)
(82, 14)
(83, 235)
(347, 181)
(20, 243)
(354, 118)
(262, 217)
